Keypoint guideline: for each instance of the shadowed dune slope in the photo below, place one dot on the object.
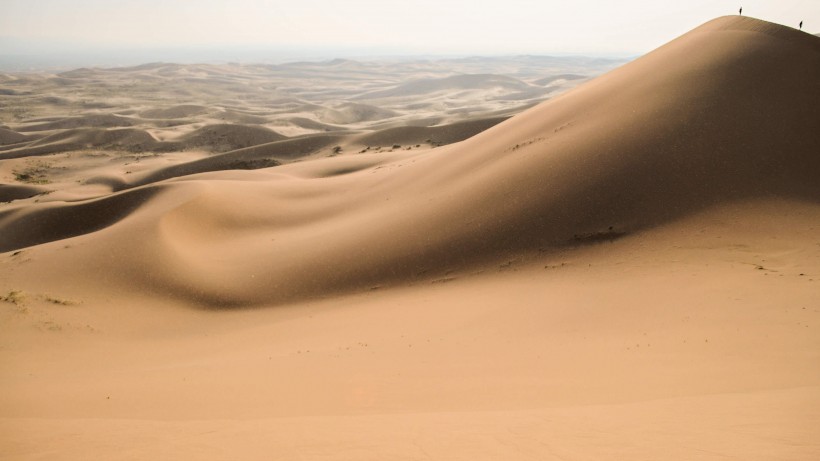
(250, 158)
(726, 112)
(11, 137)
(9, 192)
(96, 121)
(226, 137)
(443, 134)
(130, 139)
(354, 113)
(51, 222)
(180, 111)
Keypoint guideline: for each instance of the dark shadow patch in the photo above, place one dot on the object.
(9, 192)
(252, 164)
(609, 235)
(23, 228)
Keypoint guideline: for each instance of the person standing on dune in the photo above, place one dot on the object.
(740, 11)
(801, 25)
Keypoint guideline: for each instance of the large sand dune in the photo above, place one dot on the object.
(630, 270)
(655, 140)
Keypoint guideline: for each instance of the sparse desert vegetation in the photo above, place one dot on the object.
(35, 172)
(14, 297)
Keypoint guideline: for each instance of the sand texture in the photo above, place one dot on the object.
(309, 262)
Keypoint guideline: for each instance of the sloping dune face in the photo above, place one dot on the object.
(726, 112)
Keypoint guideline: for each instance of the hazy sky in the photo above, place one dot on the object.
(377, 26)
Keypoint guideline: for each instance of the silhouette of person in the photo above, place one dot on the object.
(740, 12)
(801, 25)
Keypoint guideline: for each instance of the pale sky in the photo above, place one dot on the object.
(381, 27)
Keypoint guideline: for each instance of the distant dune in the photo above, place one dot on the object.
(554, 78)
(181, 111)
(223, 137)
(459, 82)
(11, 137)
(354, 113)
(87, 121)
(240, 117)
(128, 139)
(294, 99)
(310, 124)
(440, 134)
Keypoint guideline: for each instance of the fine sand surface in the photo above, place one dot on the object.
(629, 270)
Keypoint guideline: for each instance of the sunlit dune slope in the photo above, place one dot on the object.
(728, 111)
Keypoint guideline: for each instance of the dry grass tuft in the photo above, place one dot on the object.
(15, 297)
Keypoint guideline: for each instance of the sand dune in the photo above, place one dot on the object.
(354, 113)
(296, 98)
(251, 158)
(127, 139)
(629, 270)
(459, 82)
(60, 222)
(181, 111)
(11, 137)
(234, 116)
(435, 135)
(555, 78)
(310, 124)
(95, 121)
(616, 156)
(224, 137)
(10, 192)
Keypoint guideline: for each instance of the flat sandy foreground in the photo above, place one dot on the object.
(627, 271)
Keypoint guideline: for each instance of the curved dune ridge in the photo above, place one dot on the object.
(726, 112)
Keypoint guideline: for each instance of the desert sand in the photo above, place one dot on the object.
(436, 267)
